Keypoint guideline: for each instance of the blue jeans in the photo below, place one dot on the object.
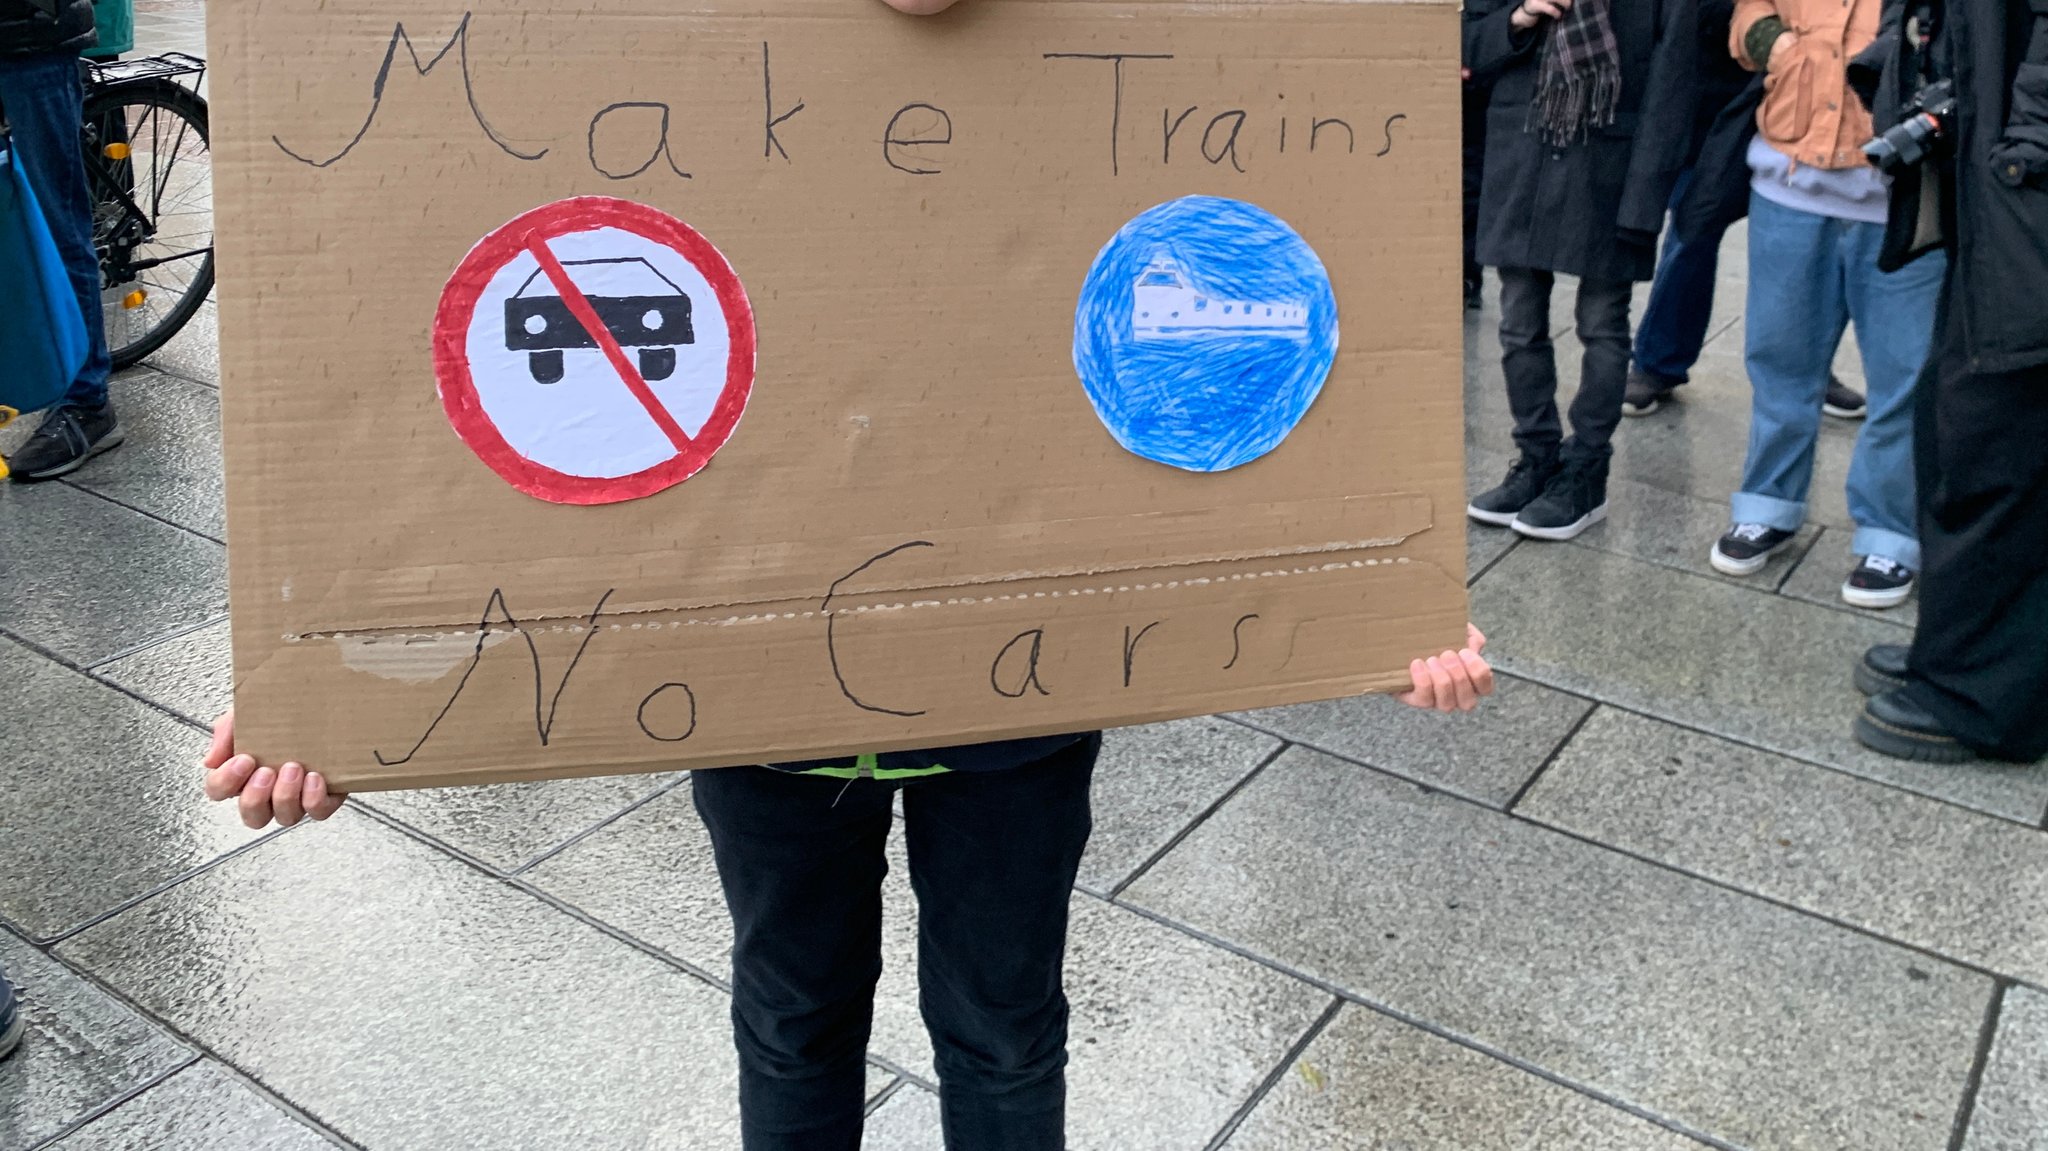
(44, 98)
(1674, 326)
(1809, 275)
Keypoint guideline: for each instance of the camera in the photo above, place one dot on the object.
(1911, 140)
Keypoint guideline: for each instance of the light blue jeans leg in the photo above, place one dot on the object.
(1794, 320)
(1894, 315)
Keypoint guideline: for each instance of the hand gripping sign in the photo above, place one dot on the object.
(594, 350)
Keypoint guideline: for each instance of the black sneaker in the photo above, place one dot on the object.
(1893, 724)
(1877, 583)
(69, 437)
(1843, 402)
(1883, 668)
(1526, 480)
(1574, 500)
(1747, 548)
(1646, 392)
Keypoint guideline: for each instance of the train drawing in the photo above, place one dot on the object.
(1165, 305)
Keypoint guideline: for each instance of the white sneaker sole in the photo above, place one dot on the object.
(1566, 532)
(1497, 519)
(1875, 600)
(1642, 409)
(1844, 413)
(1730, 566)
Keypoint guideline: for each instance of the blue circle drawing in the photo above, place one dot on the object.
(1205, 330)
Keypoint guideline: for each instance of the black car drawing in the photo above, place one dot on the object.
(654, 317)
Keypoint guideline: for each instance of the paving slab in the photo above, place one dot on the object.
(191, 674)
(202, 1108)
(1753, 1023)
(387, 989)
(1484, 755)
(1968, 886)
(82, 1051)
(170, 465)
(1763, 670)
(103, 798)
(2012, 1101)
(908, 1121)
(1372, 1081)
(1824, 567)
(1138, 989)
(1153, 781)
(193, 353)
(88, 579)
(505, 825)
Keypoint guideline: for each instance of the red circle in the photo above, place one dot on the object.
(506, 243)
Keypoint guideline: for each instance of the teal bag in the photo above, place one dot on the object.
(43, 341)
(115, 20)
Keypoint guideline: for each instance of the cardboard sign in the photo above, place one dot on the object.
(615, 388)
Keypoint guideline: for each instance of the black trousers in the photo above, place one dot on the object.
(1530, 362)
(1980, 447)
(993, 857)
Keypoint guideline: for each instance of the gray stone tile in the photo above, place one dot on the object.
(191, 674)
(1485, 544)
(909, 1121)
(1170, 1036)
(82, 1049)
(103, 802)
(1820, 575)
(1764, 670)
(1153, 781)
(202, 1108)
(1486, 754)
(650, 873)
(170, 465)
(507, 824)
(1678, 531)
(195, 352)
(1371, 1081)
(2012, 1102)
(1747, 1021)
(1138, 989)
(388, 989)
(879, 1081)
(1957, 883)
(89, 580)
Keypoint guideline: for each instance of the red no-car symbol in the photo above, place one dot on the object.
(594, 350)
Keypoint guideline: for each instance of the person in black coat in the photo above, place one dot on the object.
(42, 97)
(1590, 122)
(1975, 681)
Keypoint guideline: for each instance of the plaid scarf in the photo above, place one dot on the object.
(1578, 83)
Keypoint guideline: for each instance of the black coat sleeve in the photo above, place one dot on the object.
(1664, 134)
(1874, 73)
(2021, 154)
(1492, 43)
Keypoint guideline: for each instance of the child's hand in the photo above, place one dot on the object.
(287, 794)
(1453, 681)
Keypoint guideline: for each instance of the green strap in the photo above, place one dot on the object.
(869, 767)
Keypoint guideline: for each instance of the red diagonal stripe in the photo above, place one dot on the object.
(587, 316)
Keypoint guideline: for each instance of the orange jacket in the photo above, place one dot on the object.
(1809, 113)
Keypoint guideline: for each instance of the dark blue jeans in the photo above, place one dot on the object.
(1674, 325)
(992, 858)
(43, 98)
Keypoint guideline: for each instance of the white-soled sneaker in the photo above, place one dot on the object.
(1877, 583)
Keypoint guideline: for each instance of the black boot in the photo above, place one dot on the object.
(1574, 500)
(1894, 724)
(1526, 480)
(70, 435)
(1882, 669)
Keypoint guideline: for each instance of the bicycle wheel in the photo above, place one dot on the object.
(151, 171)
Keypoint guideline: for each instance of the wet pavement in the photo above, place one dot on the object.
(1650, 897)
